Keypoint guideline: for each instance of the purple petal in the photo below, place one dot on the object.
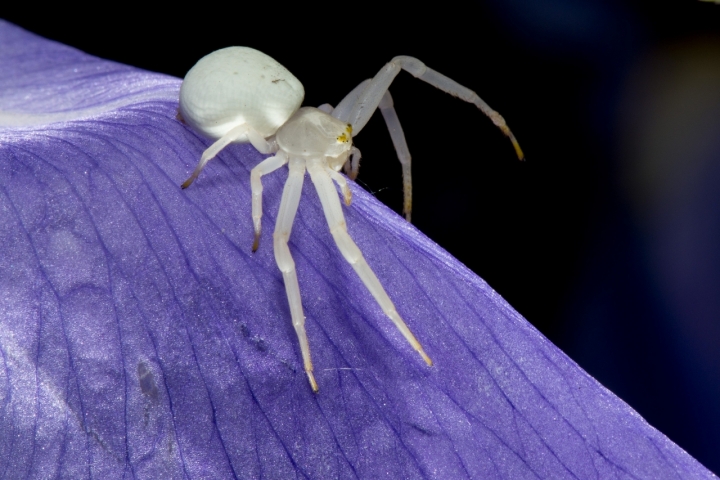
(139, 336)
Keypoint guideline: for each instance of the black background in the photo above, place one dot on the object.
(548, 233)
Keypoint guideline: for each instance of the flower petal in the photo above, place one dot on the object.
(139, 335)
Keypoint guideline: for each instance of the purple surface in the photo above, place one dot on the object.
(139, 337)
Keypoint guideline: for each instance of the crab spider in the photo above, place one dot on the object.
(240, 95)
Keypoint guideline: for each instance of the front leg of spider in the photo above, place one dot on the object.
(288, 208)
(359, 105)
(321, 175)
(372, 95)
(317, 141)
(387, 109)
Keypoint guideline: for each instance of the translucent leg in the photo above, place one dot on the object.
(336, 221)
(352, 166)
(403, 152)
(266, 166)
(260, 143)
(342, 183)
(343, 109)
(371, 96)
(234, 134)
(288, 207)
(343, 112)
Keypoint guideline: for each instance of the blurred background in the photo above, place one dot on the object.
(607, 238)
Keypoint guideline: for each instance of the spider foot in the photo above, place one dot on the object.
(313, 383)
(407, 209)
(425, 357)
(518, 150)
(256, 242)
(499, 121)
(189, 181)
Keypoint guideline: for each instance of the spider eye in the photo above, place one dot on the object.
(345, 137)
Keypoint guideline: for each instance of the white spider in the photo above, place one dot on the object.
(238, 94)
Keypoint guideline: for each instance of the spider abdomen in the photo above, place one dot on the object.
(237, 85)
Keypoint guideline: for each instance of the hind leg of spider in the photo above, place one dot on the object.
(350, 251)
(288, 207)
(233, 134)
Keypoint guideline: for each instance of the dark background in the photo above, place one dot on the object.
(607, 238)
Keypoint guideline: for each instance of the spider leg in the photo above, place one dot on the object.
(343, 109)
(352, 165)
(336, 221)
(233, 134)
(260, 143)
(343, 112)
(373, 94)
(398, 138)
(342, 183)
(288, 207)
(266, 166)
